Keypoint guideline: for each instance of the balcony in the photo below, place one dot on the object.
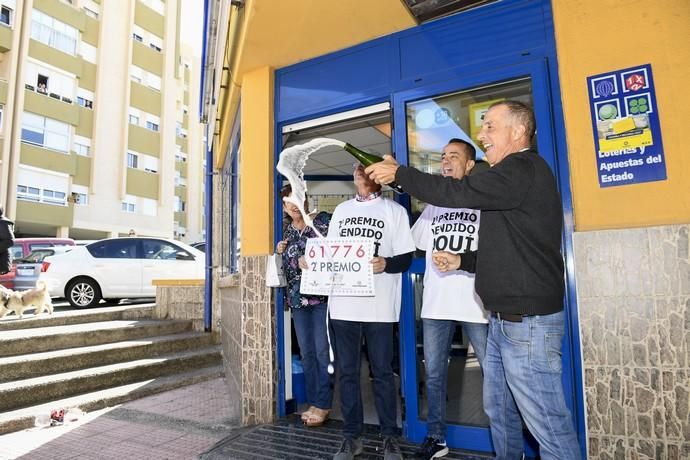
(55, 57)
(144, 140)
(85, 126)
(181, 166)
(149, 19)
(52, 160)
(147, 58)
(82, 170)
(47, 214)
(90, 33)
(142, 183)
(181, 218)
(145, 98)
(3, 92)
(5, 38)
(62, 12)
(51, 105)
(182, 142)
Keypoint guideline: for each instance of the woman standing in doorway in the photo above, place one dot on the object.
(308, 311)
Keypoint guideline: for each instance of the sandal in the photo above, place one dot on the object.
(318, 417)
(307, 413)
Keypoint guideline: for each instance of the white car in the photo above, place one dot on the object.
(117, 268)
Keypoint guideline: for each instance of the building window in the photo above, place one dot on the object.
(90, 12)
(54, 197)
(81, 199)
(42, 84)
(88, 52)
(138, 38)
(128, 207)
(46, 132)
(53, 33)
(6, 15)
(86, 103)
(25, 192)
(81, 149)
(133, 119)
(152, 126)
(132, 160)
(48, 196)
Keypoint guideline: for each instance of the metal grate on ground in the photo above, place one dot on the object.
(289, 439)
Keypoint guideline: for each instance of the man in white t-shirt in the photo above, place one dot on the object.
(449, 296)
(352, 318)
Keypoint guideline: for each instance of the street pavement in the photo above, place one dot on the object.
(177, 424)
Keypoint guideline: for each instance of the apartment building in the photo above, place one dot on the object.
(96, 140)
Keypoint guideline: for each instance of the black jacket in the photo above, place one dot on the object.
(519, 267)
(6, 242)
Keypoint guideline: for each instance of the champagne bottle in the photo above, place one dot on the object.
(369, 159)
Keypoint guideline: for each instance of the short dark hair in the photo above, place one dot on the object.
(471, 151)
(522, 113)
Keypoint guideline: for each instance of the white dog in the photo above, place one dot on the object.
(37, 298)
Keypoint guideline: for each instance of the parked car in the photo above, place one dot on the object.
(84, 242)
(200, 245)
(118, 268)
(23, 246)
(28, 269)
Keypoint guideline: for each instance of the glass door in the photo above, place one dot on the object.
(431, 117)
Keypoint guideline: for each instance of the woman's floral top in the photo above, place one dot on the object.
(296, 242)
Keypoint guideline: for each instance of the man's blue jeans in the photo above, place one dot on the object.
(310, 326)
(438, 338)
(348, 354)
(522, 371)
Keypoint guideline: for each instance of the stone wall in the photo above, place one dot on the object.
(248, 338)
(180, 299)
(633, 290)
(230, 299)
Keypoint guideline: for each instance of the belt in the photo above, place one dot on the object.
(512, 317)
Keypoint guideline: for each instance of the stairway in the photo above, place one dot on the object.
(96, 358)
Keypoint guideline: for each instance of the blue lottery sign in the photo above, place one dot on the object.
(625, 122)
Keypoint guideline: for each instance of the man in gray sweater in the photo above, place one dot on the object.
(519, 277)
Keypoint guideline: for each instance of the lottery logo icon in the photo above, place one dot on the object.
(604, 88)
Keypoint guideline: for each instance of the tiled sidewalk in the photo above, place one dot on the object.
(184, 424)
(178, 424)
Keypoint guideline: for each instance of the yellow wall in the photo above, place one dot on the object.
(596, 36)
(264, 34)
(256, 163)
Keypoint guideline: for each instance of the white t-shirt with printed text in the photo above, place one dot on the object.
(449, 295)
(387, 223)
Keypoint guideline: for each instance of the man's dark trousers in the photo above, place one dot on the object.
(348, 351)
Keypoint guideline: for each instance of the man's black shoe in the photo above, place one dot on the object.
(349, 449)
(432, 448)
(391, 449)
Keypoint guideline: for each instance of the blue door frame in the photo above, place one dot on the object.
(442, 56)
(414, 429)
(466, 437)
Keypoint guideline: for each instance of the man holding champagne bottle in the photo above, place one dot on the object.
(519, 277)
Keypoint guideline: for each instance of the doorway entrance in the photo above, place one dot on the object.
(416, 125)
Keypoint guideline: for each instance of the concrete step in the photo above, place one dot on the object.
(60, 361)
(29, 392)
(62, 318)
(24, 418)
(35, 340)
